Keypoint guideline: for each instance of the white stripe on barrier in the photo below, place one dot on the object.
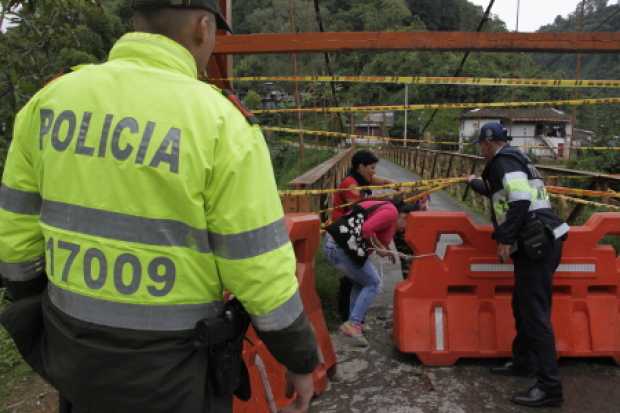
(439, 333)
(578, 268)
(591, 268)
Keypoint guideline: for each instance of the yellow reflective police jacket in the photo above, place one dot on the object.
(145, 193)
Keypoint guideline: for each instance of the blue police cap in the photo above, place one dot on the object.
(494, 132)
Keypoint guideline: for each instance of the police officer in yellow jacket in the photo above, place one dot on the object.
(133, 195)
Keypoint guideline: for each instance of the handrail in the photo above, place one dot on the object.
(315, 174)
(546, 168)
(430, 163)
(325, 175)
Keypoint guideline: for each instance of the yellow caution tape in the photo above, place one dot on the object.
(427, 191)
(584, 202)
(582, 192)
(352, 136)
(436, 80)
(425, 194)
(343, 135)
(374, 198)
(399, 185)
(432, 106)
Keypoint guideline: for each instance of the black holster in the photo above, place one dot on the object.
(535, 238)
(222, 337)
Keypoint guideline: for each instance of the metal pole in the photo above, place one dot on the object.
(406, 112)
(518, 12)
(571, 141)
(297, 97)
(351, 129)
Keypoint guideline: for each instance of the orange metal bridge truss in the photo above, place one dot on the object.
(574, 42)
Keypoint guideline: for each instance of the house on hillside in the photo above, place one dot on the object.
(374, 124)
(544, 132)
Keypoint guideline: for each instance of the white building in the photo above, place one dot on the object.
(544, 132)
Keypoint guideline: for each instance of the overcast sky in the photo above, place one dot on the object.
(534, 13)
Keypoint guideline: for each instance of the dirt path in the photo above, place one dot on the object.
(31, 395)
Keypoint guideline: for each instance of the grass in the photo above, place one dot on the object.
(327, 282)
(12, 367)
(287, 166)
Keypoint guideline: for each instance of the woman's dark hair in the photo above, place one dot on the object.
(363, 157)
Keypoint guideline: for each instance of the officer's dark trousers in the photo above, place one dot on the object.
(344, 298)
(534, 346)
(218, 405)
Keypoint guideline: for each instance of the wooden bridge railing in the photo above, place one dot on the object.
(324, 176)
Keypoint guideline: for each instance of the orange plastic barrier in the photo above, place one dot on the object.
(459, 307)
(267, 376)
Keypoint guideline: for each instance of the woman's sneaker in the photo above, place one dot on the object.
(354, 332)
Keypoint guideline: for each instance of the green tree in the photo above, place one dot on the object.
(42, 40)
(252, 100)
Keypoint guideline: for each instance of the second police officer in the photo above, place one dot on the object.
(528, 231)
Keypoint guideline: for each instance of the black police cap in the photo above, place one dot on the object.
(210, 5)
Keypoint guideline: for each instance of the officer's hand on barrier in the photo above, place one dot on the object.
(471, 178)
(503, 252)
(301, 385)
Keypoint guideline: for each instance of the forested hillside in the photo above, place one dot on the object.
(46, 37)
(381, 15)
(411, 15)
(598, 16)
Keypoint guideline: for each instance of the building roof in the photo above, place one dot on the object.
(519, 115)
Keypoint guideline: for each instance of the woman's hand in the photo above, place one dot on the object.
(382, 250)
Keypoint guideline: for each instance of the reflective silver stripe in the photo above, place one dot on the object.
(19, 202)
(514, 176)
(536, 183)
(132, 316)
(572, 268)
(281, 317)
(544, 204)
(251, 243)
(519, 196)
(23, 271)
(560, 231)
(123, 227)
(491, 268)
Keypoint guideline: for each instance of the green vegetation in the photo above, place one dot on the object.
(44, 39)
(327, 281)
(286, 165)
(12, 367)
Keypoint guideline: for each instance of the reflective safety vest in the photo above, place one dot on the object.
(518, 186)
(144, 193)
(511, 177)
